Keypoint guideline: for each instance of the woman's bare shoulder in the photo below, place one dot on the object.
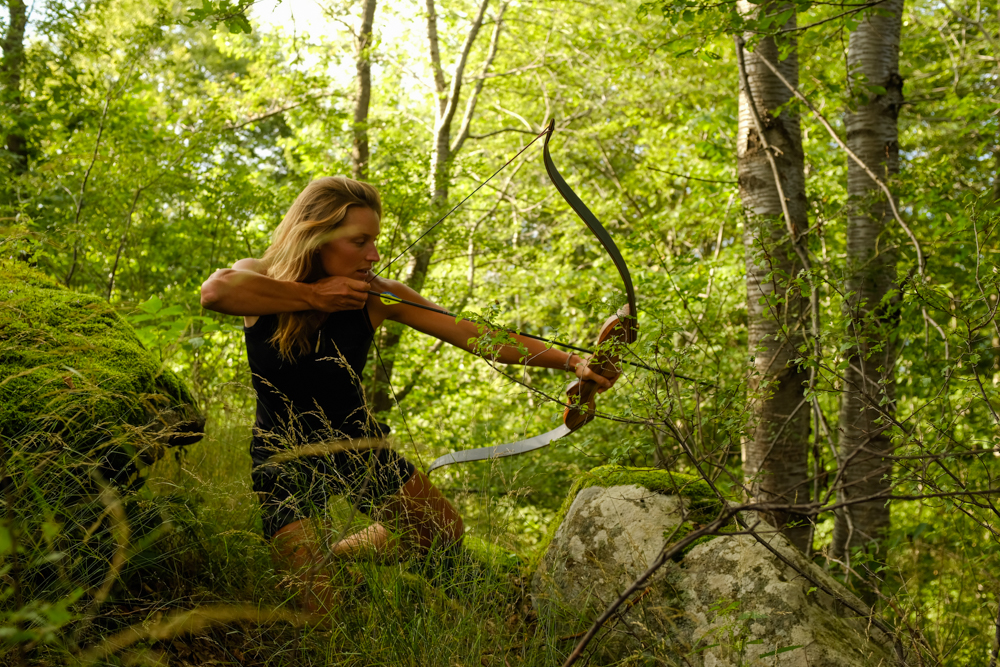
(383, 285)
(251, 264)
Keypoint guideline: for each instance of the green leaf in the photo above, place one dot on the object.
(152, 305)
(784, 649)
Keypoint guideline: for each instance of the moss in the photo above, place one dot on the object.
(73, 370)
(702, 503)
(491, 555)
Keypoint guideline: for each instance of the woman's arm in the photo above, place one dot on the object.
(462, 332)
(246, 290)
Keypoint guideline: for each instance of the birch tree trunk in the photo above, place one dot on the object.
(10, 71)
(772, 190)
(443, 151)
(869, 384)
(363, 93)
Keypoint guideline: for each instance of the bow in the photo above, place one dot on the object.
(619, 330)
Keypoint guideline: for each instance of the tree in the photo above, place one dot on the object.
(363, 92)
(447, 97)
(869, 391)
(10, 78)
(772, 188)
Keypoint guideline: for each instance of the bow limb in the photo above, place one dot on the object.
(628, 312)
(621, 329)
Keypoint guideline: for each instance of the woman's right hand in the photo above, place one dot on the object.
(336, 293)
(246, 290)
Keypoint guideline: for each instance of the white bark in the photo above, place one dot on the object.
(775, 456)
(869, 383)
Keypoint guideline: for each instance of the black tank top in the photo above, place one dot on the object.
(318, 396)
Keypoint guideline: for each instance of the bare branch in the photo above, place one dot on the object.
(840, 142)
(470, 107)
(451, 101)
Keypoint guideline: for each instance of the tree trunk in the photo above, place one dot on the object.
(362, 43)
(12, 67)
(869, 383)
(442, 154)
(775, 455)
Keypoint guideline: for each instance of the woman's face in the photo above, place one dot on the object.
(351, 250)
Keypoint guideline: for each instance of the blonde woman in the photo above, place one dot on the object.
(309, 320)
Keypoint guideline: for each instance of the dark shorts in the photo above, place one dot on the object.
(299, 489)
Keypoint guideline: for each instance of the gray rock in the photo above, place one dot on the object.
(728, 601)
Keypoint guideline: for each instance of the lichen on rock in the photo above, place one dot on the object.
(74, 375)
(701, 504)
(728, 601)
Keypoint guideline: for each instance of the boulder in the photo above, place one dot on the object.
(727, 601)
(74, 377)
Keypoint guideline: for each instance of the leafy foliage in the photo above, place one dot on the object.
(166, 140)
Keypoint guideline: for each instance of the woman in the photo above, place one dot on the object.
(309, 319)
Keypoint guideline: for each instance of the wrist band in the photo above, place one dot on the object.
(569, 358)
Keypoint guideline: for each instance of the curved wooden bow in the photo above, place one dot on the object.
(620, 329)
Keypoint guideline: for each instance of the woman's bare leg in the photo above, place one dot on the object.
(422, 515)
(419, 514)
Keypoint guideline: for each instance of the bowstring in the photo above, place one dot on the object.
(458, 205)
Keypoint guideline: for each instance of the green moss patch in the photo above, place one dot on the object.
(491, 555)
(72, 371)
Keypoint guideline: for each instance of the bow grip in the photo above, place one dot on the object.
(605, 364)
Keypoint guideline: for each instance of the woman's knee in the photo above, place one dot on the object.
(435, 519)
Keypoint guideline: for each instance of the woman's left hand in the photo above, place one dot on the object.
(584, 372)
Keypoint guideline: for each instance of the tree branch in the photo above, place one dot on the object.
(451, 101)
(840, 142)
(470, 107)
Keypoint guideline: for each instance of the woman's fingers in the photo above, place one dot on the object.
(337, 293)
(584, 372)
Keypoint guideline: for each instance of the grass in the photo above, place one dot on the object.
(196, 582)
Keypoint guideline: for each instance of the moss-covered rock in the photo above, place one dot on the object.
(74, 375)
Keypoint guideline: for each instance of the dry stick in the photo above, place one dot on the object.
(871, 174)
(897, 644)
(692, 178)
(576, 635)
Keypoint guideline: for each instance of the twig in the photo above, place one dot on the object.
(665, 555)
(689, 177)
(840, 142)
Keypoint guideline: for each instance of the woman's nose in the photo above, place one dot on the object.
(373, 255)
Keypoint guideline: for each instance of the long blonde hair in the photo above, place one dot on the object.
(294, 251)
